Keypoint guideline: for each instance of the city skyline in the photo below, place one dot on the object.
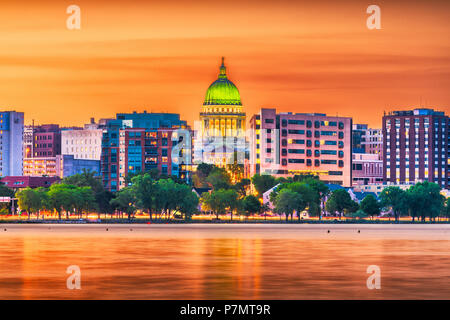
(161, 58)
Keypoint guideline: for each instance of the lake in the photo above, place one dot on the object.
(224, 261)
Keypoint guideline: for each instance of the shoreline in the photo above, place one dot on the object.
(220, 222)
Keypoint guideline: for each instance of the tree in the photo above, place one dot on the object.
(220, 200)
(219, 179)
(29, 200)
(263, 183)
(241, 187)
(425, 200)
(251, 205)
(202, 172)
(360, 214)
(370, 205)
(340, 202)
(395, 199)
(189, 201)
(287, 201)
(143, 187)
(125, 201)
(61, 198)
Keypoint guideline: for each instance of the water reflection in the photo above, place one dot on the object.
(206, 262)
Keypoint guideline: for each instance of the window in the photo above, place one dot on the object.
(341, 154)
(308, 162)
(341, 163)
(269, 121)
(316, 162)
(283, 162)
(341, 135)
(332, 152)
(309, 153)
(284, 122)
(297, 151)
(341, 125)
(297, 122)
(308, 143)
(309, 134)
(284, 142)
(308, 124)
(296, 160)
(291, 131)
(316, 134)
(316, 153)
(284, 133)
(317, 143)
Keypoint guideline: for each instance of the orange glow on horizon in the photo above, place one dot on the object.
(296, 56)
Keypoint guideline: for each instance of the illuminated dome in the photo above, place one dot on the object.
(222, 91)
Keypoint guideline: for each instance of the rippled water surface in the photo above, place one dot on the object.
(201, 261)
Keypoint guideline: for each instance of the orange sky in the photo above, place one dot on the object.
(300, 56)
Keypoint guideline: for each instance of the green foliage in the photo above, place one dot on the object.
(395, 199)
(70, 198)
(263, 183)
(29, 200)
(241, 187)
(359, 214)
(219, 179)
(287, 201)
(370, 206)
(424, 200)
(220, 200)
(125, 201)
(251, 205)
(341, 202)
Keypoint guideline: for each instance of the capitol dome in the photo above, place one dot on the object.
(222, 91)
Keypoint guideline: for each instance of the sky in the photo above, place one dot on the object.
(161, 56)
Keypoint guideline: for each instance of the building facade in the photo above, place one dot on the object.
(143, 150)
(61, 166)
(84, 143)
(46, 140)
(367, 168)
(220, 135)
(11, 143)
(416, 147)
(20, 182)
(126, 151)
(373, 143)
(285, 144)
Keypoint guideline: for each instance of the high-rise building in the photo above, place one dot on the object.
(46, 140)
(359, 138)
(83, 143)
(367, 168)
(285, 144)
(124, 150)
(220, 135)
(61, 166)
(416, 147)
(11, 143)
(28, 141)
(373, 143)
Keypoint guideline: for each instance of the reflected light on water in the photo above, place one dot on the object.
(224, 262)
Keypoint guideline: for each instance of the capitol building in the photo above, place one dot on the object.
(220, 134)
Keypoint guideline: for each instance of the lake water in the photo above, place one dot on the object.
(202, 261)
